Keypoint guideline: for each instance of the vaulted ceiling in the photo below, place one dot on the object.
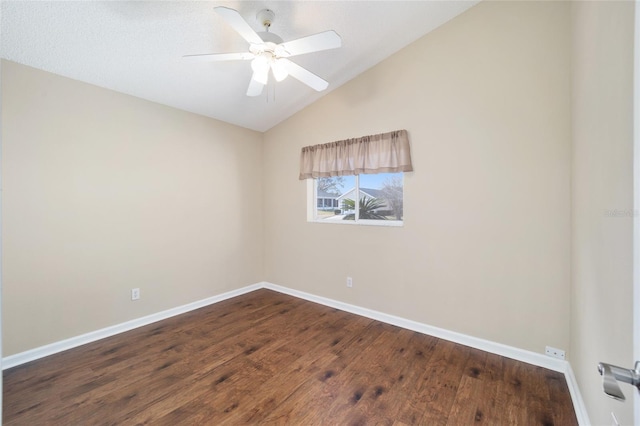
(136, 47)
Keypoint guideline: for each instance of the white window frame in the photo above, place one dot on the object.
(312, 197)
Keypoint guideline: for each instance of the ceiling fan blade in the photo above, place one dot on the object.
(313, 43)
(214, 57)
(237, 22)
(304, 75)
(255, 87)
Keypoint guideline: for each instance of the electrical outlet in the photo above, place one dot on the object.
(349, 282)
(135, 293)
(556, 353)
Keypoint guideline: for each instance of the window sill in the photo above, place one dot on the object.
(384, 223)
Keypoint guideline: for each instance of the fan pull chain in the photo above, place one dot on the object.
(271, 87)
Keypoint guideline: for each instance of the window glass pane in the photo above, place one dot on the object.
(331, 192)
(381, 196)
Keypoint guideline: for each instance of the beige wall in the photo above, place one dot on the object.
(104, 192)
(485, 249)
(602, 246)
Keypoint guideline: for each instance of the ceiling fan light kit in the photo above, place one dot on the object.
(268, 52)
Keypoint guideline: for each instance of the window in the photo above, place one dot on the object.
(358, 180)
(371, 199)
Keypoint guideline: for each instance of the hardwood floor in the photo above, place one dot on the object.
(269, 358)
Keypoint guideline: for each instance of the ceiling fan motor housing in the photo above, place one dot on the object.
(268, 37)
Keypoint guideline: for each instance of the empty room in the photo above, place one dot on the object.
(320, 212)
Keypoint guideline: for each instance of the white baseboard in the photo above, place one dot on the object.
(63, 345)
(529, 357)
(576, 396)
(452, 336)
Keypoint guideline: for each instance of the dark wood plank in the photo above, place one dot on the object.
(467, 407)
(268, 358)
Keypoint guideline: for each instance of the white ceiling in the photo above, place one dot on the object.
(136, 47)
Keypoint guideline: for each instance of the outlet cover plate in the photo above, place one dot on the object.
(135, 293)
(554, 352)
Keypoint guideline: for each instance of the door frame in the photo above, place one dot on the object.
(636, 204)
(1, 376)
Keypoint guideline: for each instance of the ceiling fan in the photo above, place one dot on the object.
(268, 52)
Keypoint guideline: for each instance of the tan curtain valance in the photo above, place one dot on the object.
(383, 153)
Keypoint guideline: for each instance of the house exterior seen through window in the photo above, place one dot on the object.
(373, 199)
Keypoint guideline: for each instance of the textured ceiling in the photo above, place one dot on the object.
(136, 47)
